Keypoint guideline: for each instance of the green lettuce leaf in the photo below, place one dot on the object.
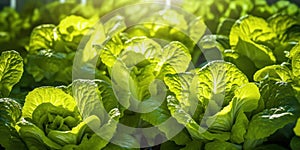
(96, 98)
(295, 143)
(51, 95)
(242, 102)
(34, 137)
(250, 37)
(280, 23)
(176, 55)
(179, 84)
(221, 145)
(244, 63)
(11, 70)
(10, 113)
(114, 26)
(193, 145)
(50, 65)
(191, 125)
(297, 128)
(42, 37)
(72, 28)
(111, 50)
(239, 128)
(296, 65)
(280, 109)
(161, 119)
(274, 72)
(148, 47)
(217, 81)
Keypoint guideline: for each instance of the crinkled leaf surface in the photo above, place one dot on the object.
(11, 70)
(51, 95)
(10, 113)
(249, 37)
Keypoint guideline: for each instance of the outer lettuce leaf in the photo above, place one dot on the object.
(251, 40)
(176, 55)
(88, 99)
(179, 84)
(51, 95)
(50, 65)
(196, 131)
(95, 99)
(294, 51)
(87, 55)
(11, 70)
(280, 23)
(242, 102)
(92, 99)
(34, 137)
(239, 128)
(193, 145)
(42, 37)
(280, 108)
(221, 145)
(111, 50)
(71, 30)
(217, 81)
(273, 93)
(196, 29)
(296, 65)
(10, 113)
(274, 72)
(294, 55)
(297, 128)
(266, 123)
(127, 142)
(225, 27)
(244, 63)
(169, 145)
(295, 143)
(161, 118)
(114, 25)
(148, 47)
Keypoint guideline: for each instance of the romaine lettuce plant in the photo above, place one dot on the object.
(54, 119)
(55, 47)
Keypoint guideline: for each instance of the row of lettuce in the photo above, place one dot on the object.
(249, 101)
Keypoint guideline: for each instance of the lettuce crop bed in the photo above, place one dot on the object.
(224, 77)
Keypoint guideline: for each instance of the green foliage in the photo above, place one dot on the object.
(10, 113)
(11, 70)
(85, 79)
